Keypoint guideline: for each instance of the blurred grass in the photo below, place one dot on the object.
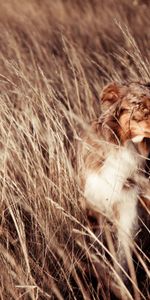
(55, 56)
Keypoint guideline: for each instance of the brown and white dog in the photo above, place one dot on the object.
(112, 158)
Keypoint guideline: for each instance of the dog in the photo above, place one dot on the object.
(112, 158)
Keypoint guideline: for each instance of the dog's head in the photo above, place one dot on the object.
(126, 111)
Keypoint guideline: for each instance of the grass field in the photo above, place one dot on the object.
(55, 57)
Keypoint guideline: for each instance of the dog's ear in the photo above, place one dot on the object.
(110, 94)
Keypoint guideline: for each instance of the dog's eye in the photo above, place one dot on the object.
(124, 109)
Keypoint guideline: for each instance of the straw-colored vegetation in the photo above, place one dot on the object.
(55, 56)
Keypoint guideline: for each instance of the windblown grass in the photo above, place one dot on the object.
(55, 57)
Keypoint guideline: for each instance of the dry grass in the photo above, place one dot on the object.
(55, 57)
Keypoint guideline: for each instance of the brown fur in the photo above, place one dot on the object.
(128, 112)
(125, 115)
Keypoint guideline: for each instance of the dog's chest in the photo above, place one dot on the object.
(112, 183)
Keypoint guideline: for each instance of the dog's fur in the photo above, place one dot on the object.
(112, 158)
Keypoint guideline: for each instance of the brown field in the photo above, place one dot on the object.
(55, 56)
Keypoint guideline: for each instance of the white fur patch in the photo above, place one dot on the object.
(105, 188)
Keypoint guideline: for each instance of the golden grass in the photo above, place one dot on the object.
(55, 57)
